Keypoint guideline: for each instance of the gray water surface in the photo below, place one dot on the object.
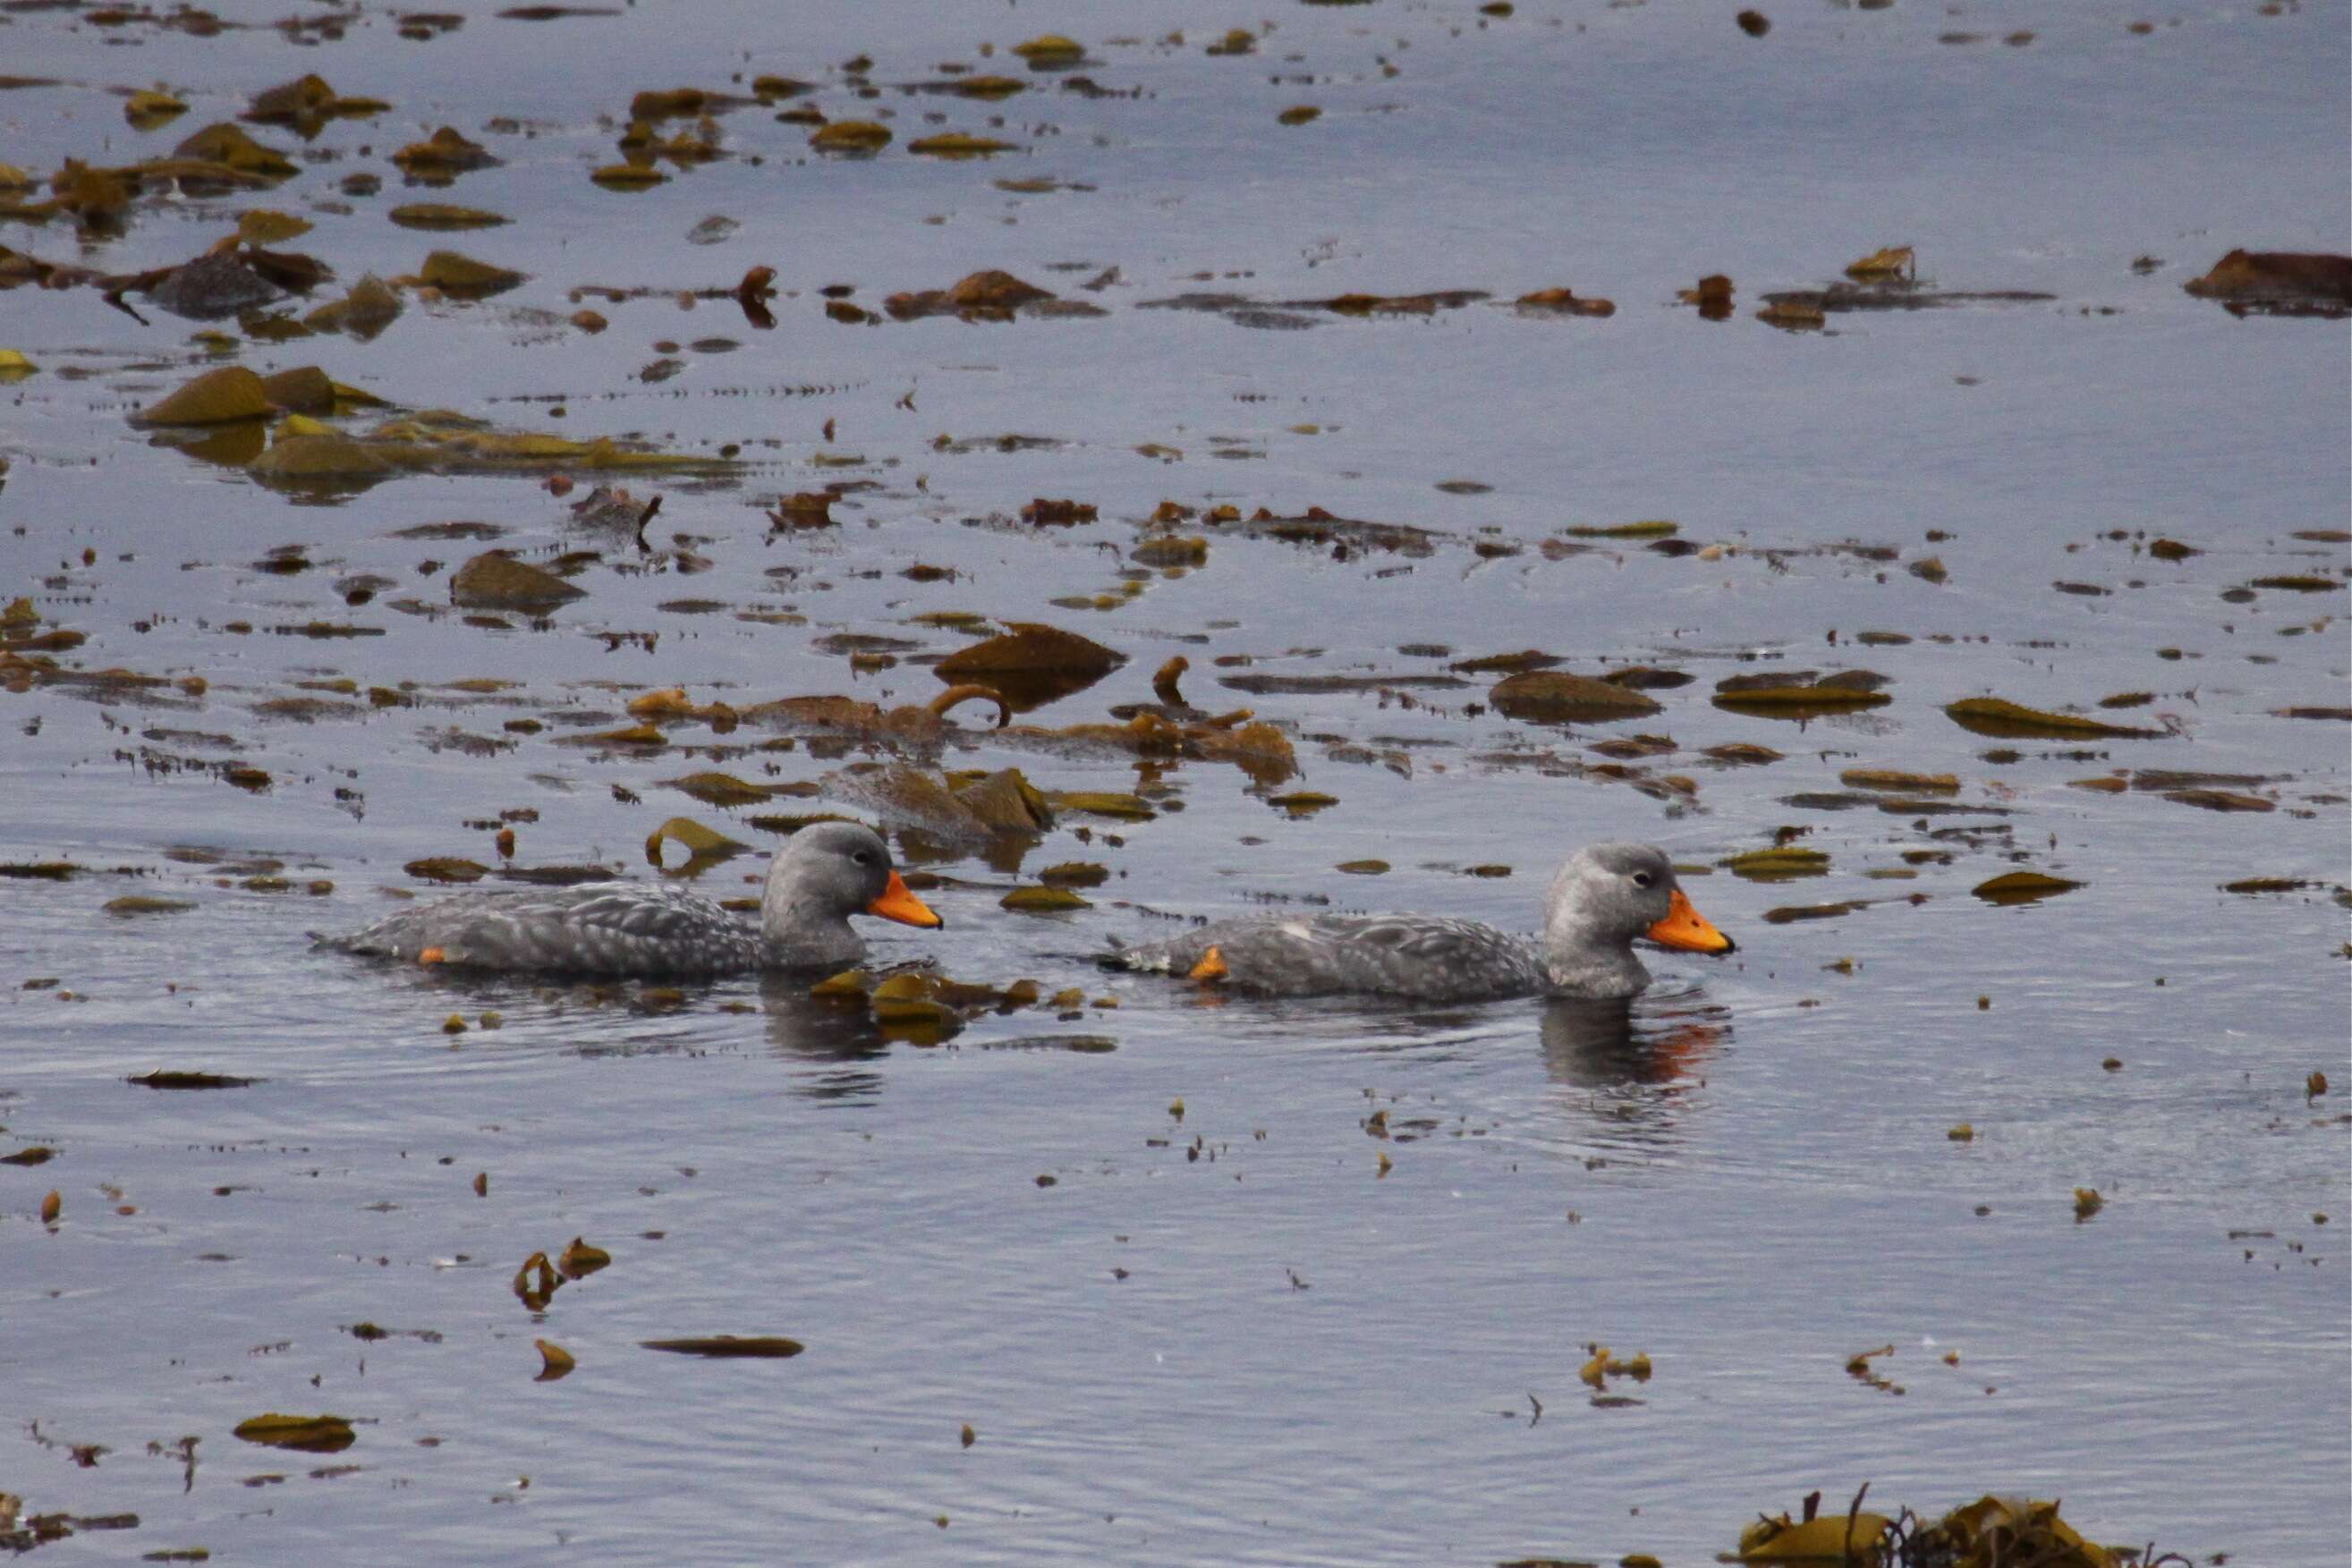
(1224, 1331)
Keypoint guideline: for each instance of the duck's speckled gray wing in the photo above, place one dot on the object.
(1405, 955)
(615, 929)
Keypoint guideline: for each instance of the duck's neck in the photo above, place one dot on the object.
(1583, 955)
(798, 928)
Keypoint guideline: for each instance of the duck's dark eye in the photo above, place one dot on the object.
(863, 857)
(1642, 878)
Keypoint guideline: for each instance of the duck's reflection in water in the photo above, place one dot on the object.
(1633, 1064)
(826, 1039)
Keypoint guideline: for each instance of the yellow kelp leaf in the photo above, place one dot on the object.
(697, 838)
(535, 1284)
(215, 397)
(443, 153)
(851, 136)
(305, 98)
(1555, 696)
(554, 1361)
(727, 1344)
(2023, 887)
(304, 389)
(1793, 316)
(1102, 803)
(987, 86)
(310, 1434)
(15, 366)
(1880, 265)
(447, 868)
(716, 789)
(453, 272)
(1776, 864)
(316, 450)
(348, 396)
(1836, 1539)
(225, 143)
(145, 903)
(2001, 717)
(149, 108)
(628, 177)
(1891, 780)
(494, 582)
(1797, 691)
(1303, 802)
(370, 307)
(1042, 901)
(579, 1259)
(1051, 49)
(1031, 647)
(263, 225)
(443, 216)
(957, 144)
(668, 703)
(849, 985)
(2014, 1530)
(1648, 528)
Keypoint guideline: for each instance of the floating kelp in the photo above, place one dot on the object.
(1886, 279)
(2023, 887)
(1562, 302)
(150, 108)
(495, 581)
(989, 296)
(227, 146)
(306, 104)
(461, 277)
(1032, 663)
(305, 1433)
(363, 313)
(1552, 697)
(1894, 781)
(2001, 717)
(1800, 694)
(961, 144)
(923, 1007)
(442, 157)
(956, 808)
(725, 1345)
(854, 137)
(923, 725)
(1783, 863)
(1316, 527)
(1050, 52)
(2278, 283)
(439, 215)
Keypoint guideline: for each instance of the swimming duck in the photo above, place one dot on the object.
(827, 873)
(1600, 900)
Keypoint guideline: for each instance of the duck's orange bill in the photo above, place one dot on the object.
(1211, 967)
(898, 903)
(1687, 930)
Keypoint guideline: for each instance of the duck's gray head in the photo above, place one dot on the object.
(829, 872)
(1608, 895)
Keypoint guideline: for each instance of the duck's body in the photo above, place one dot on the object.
(624, 931)
(1601, 899)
